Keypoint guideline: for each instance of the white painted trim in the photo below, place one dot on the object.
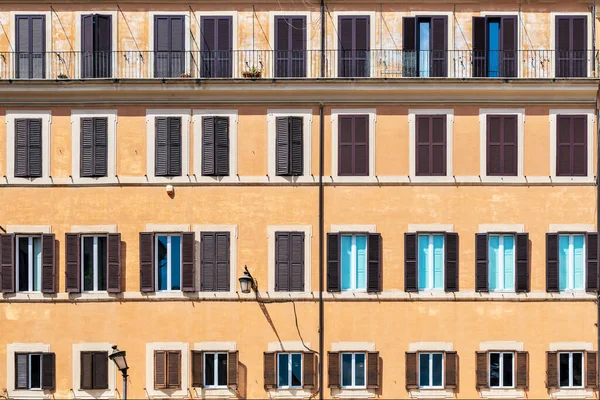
(164, 393)
(49, 45)
(372, 113)
(11, 116)
(430, 346)
(289, 346)
(424, 393)
(430, 228)
(501, 346)
(553, 228)
(307, 230)
(233, 238)
(499, 393)
(187, 34)
(280, 393)
(111, 131)
(272, 115)
(11, 349)
(553, 16)
(28, 228)
(352, 393)
(167, 228)
(215, 346)
(372, 36)
(335, 228)
(483, 113)
(571, 346)
(151, 115)
(233, 143)
(485, 228)
(114, 41)
(412, 124)
(554, 113)
(94, 228)
(308, 33)
(353, 346)
(78, 393)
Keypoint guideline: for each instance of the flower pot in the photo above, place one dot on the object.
(252, 74)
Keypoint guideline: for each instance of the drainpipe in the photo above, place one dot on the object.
(597, 206)
(321, 217)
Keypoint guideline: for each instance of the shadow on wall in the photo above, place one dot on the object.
(241, 392)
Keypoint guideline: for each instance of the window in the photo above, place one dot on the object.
(571, 145)
(354, 46)
(167, 369)
(168, 262)
(30, 33)
(431, 145)
(431, 261)
(289, 370)
(289, 261)
(424, 46)
(94, 147)
(93, 262)
(353, 370)
(495, 46)
(571, 46)
(28, 148)
(431, 367)
(570, 371)
(169, 46)
(96, 46)
(290, 46)
(501, 264)
(215, 261)
(502, 145)
(289, 157)
(215, 369)
(353, 142)
(168, 146)
(501, 370)
(34, 371)
(215, 146)
(571, 261)
(29, 263)
(354, 262)
(94, 370)
(216, 47)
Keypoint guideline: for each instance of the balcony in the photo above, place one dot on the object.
(272, 64)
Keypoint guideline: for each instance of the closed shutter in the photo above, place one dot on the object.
(409, 47)
(430, 145)
(188, 245)
(571, 145)
(297, 146)
(208, 146)
(147, 262)
(160, 369)
(87, 45)
(216, 46)
(87, 370)
(48, 371)
(482, 369)
(173, 370)
(290, 46)
(522, 256)
(282, 155)
(197, 368)
(214, 261)
(508, 46)
(21, 371)
(309, 364)
(215, 146)
(411, 371)
(481, 262)
(232, 369)
(374, 278)
(333, 369)
(361, 145)
(174, 165)
(7, 255)
(35, 148)
(334, 283)
(28, 148)
(100, 146)
(522, 370)
(354, 46)
(168, 146)
(592, 251)
(30, 46)
(87, 146)
(48, 263)
(73, 262)
(96, 46)
(410, 263)
(296, 261)
(114, 263)
(552, 262)
(223, 261)
(169, 46)
(451, 261)
(269, 363)
(502, 145)
(94, 147)
(591, 376)
(353, 142)
(100, 370)
(373, 370)
(571, 46)
(439, 46)
(479, 64)
(451, 369)
(282, 261)
(552, 370)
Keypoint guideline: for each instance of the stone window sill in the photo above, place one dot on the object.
(432, 393)
(502, 393)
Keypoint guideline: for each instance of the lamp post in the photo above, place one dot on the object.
(247, 282)
(120, 361)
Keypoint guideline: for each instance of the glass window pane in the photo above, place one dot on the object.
(296, 370)
(424, 49)
(161, 262)
(563, 369)
(438, 262)
(283, 370)
(359, 369)
(346, 261)
(37, 264)
(493, 254)
(346, 369)
(507, 369)
(577, 369)
(222, 372)
(209, 369)
(423, 256)
(23, 260)
(563, 260)
(493, 48)
(361, 262)
(175, 262)
(102, 263)
(424, 369)
(436, 373)
(88, 263)
(494, 369)
(579, 261)
(35, 376)
(509, 262)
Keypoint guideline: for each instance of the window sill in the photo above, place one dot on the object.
(502, 393)
(348, 393)
(566, 393)
(431, 393)
(94, 394)
(29, 394)
(290, 394)
(215, 393)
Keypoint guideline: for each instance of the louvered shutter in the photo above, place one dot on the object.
(409, 47)
(522, 265)
(508, 46)
(502, 145)
(481, 358)
(282, 155)
(552, 262)
(177, 54)
(197, 368)
(21, 371)
(423, 145)
(510, 145)
(479, 64)
(361, 145)
(48, 371)
(296, 261)
(571, 145)
(100, 362)
(282, 261)
(551, 369)
(173, 369)
(481, 262)
(21, 148)
(345, 145)
(571, 46)
(411, 371)
(222, 146)
(114, 263)
(374, 274)
(222, 252)
(7, 254)
(208, 261)
(362, 47)
(333, 369)
(296, 146)
(309, 361)
(579, 145)
(347, 52)
(147, 262)
(48, 263)
(73, 262)
(373, 370)
(174, 147)
(100, 146)
(451, 261)
(30, 46)
(591, 375)
(439, 46)
(290, 46)
(334, 283)
(103, 37)
(169, 46)
(87, 46)
(232, 369)
(87, 370)
(162, 146)
(522, 370)
(87, 147)
(592, 255)
(160, 369)
(208, 146)
(451, 363)
(494, 145)
(188, 262)
(35, 148)
(410, 263)
(269, 363)
(216, 45)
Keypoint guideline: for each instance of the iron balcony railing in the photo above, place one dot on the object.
(236, 64)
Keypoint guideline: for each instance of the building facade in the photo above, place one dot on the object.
(411, 186)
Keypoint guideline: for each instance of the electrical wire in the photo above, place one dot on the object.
(298, 329)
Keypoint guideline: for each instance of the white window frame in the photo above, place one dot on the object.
(308, 32)
(78, 393)
(372, 37)
(571, 263)
(353, 367)
(271, 231)
(114, 41)
(412, 124)
(570, 353)
(233, 145)
(430, 260)
(186, 36)
(215, 368)
(501, 369)
(30, 262)
(306, 115)
(151, 115)
(48, 34)
(169, 281)
(430, 386)
(500, 262)
(289, 370)
(353, 265)
(553, 16)
(95, 262)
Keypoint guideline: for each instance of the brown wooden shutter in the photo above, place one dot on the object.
(147, 262)
(223, 262)
(35, 148)
(73, 262)
(552, 262)
(345, 145)
(270, 370)
(522, 265)
(173, 370)
(592, 255)
(174, 146)
(481, 262)
(188, 245)
(522, 370)
(86, 149)
(48, 263)
(439, 46)
(114, 263)
(21, 148)
(410, 263)
(451, 261)
(232, 369)
(334, 283)
(374, 279)
(552, 370)
(411, 371)
(409, 47)
(100, 362)
(48, 371)
(509, 46)
(208, 261)
(282, 142)
(333, 369)
(373, 370)
(481, 374)
(7, 254)
(451, 369)
(87, 370)
(309, 361)
(21, 370)
(479, 48)
(160, 369)
(571, 145)
(591, 376)
(197, 368)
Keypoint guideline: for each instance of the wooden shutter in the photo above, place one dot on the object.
(373, 370)
(345, 145)
(48, 263)
(571, 145)
(208, 146)
(592, 254)
(197, 368)
(353, 53)
(508, 46)
(481, 358)
(290, 46)
(409, 47)
(334, 283)
(439, 46)
(410, 263)
(216, 46)
(87, 46)
(591, 368)
(21, 147)
(223, 262)
(451, 369)
(296, 145)
(160, 369)
(552, 262)
(411, 371)
(282, 261)
(481, 262)
(87, 144)
(353, 143)
(374, 279)
(94, 147)
(552, 370)
(21, 371)
(30, 46)
(35, 148)
(479, 40)
(522, 264)
(222, 146)
(188, 245)
(333, 369)
(100, 370)
(296, 261)
(114, 263)
(73, 262)
(174, 146)
(169, 46)
(282, 155)
(232, 369)
(451, 261)
(502, 145)
(147, 262)
(7, 254)
(208, 261)
(87, 370)
(162, 147)
(103, 37)
(100, 146)
(270, 374)
(48, 371)
(309, 361)
(522, 370)
(430, 144)
(173, 370)
(571, 46)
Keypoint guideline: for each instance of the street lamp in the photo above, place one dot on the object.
(247, 282)
(120, 361)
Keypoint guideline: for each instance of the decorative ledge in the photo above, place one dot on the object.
(502, 393)
(431, 394)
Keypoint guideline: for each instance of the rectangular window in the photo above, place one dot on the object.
(289, 370)
(93, 262)
(29, 263)
(289, 156)
(354, 46)
(571, 46)
(502, 145)
(501, 370)
(289, 261)
(94, 147)
(215, 146)
(431, 261)
(290, 46)
(94, 370)
(215, 370)
(431, 367)
(168, 262)
(28, 148)
(216, 47)
(96, 46)
(168, 146)
(571, 261)
(169, 46)
(30, 57)
(28, 370)
(214, 261)
(571, 145)
(495, 42)
(570, 370)
(501, 253)
(354, 262)
(431, 145)
(353, 142)
(424, 47)
(167, 369)
(353, 370)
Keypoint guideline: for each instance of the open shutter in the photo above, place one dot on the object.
(232, 369)
(591, 375)
(160, 369)
(509, 46)
(87, 145)
(410, 263)
(522, 370)
(373, 370)
(270, 374)
(48, 264)
(222, 267)
(208, 261)
(451, 261)
(197, 368)
(87, 46)
(296, 146)
(333, 369)
(374, 267)
(208, 146)
(100, 370)
(479, 48)
(481, 262)
(100, 146)
(188, 262)
(73, 262)
(174, 146)
(482, 369)
(552, 262)
(309, 363)
(409, 47)
(173, 369)
(552, 370)
(21, 370)
(147, 262)
(7, 254)
(87, 370)
(451, 369)
(48, 371)
(296, 252)
(522, 273)
(334, 283)
(592, 251)
(439, 46)
(282, 154)
(411, 371)
(222, 146)
(21, 147)
(114, 263)
(162, 147)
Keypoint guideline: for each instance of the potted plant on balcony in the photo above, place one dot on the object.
(186, 75)
(62, 76)
(252, 72)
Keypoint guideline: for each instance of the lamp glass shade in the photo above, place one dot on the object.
(245, 283)
(119, 359)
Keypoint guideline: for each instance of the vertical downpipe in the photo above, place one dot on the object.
(594, 41)
(321, 217)
(598, 205)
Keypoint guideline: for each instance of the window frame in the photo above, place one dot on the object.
(216, 368)
(93, 365)
(353, 271)
(571, 262)
(30, 261)
(430, 372)
(570, 353)
(156, 267)
(501, 369)
(289, 370)
(353, 368)
(500, 271)
(413, 114)
(197, 116)
(335, 159)
(95, 236)
(431, 267)
(372, 15)
(590, 136)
